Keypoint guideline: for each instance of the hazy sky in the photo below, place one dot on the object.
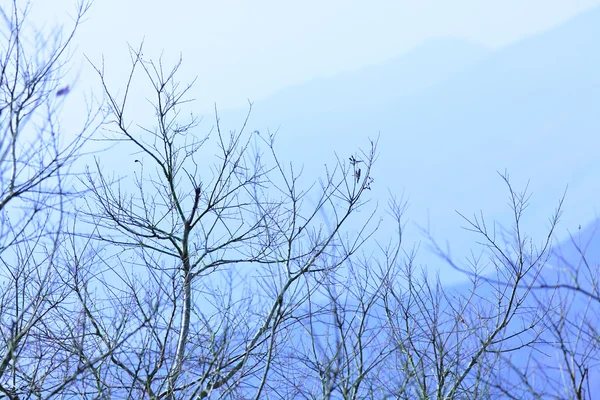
(250, 49)
(243, 50)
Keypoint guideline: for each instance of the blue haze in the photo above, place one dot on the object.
(449, 115)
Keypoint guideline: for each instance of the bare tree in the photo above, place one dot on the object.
(564, 365)
(384, 328)
(204, 266)
(219, 255)
(457, 343)
(37, 157)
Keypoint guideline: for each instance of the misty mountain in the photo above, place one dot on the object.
(449, 115)
(376, 86)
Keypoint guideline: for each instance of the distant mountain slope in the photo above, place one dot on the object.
(371, 87)
(450, 115)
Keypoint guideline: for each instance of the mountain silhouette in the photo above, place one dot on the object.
(449, 115)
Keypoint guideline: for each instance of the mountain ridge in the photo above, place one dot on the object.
(529, 108)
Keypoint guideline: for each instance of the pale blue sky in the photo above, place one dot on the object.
(250, 49)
